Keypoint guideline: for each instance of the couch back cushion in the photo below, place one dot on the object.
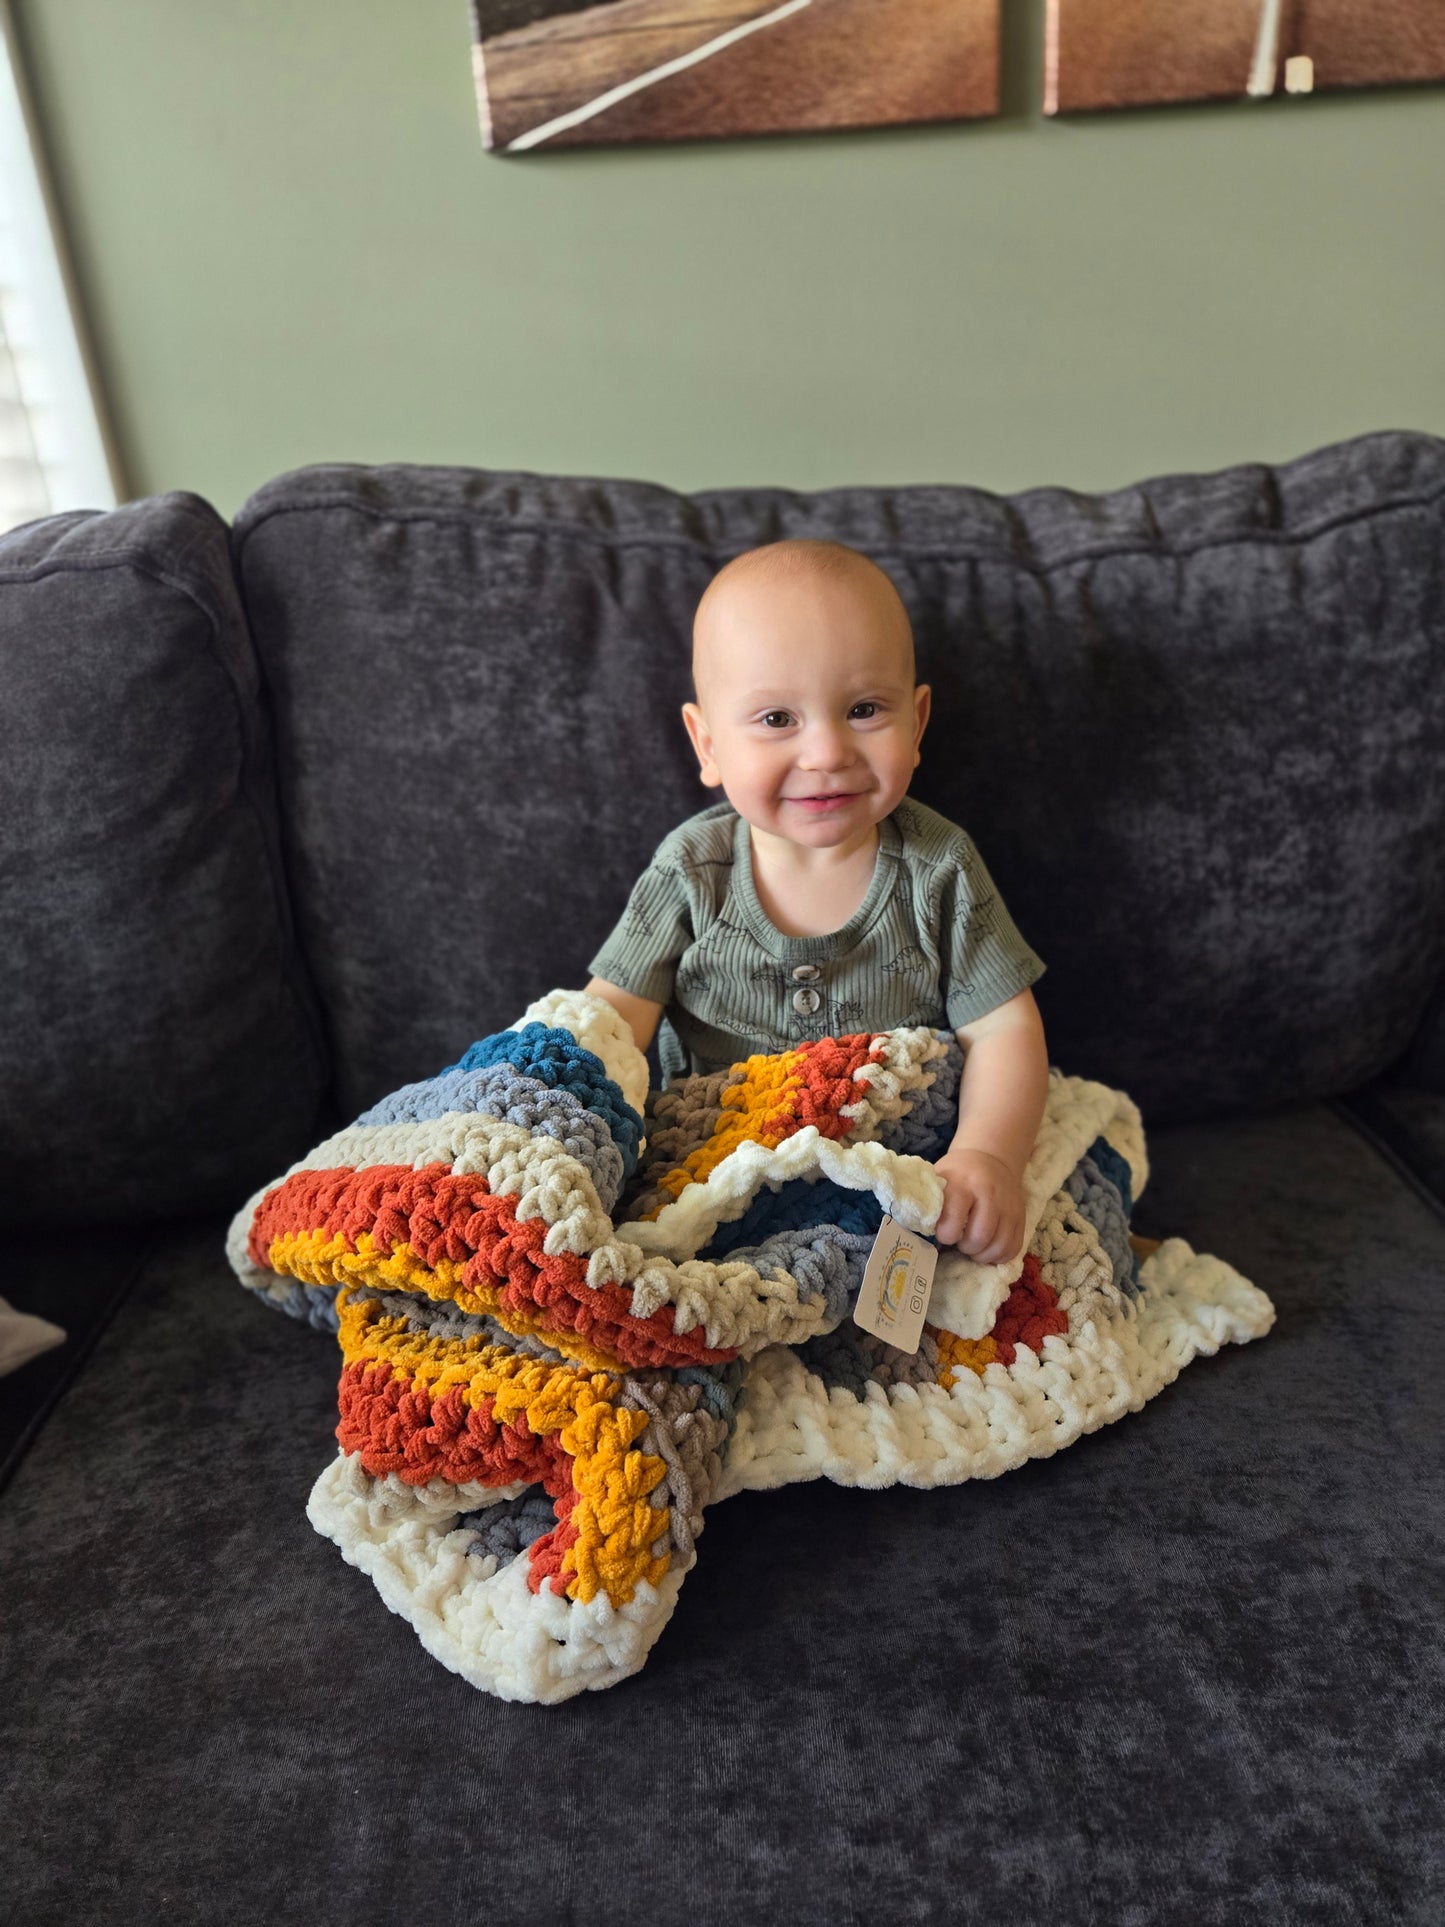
(159, 1051)
(1193, 726)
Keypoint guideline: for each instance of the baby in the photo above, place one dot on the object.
(820, 900)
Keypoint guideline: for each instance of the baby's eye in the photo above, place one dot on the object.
(777, 719)
(870, 707)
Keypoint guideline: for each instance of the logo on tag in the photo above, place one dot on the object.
(893, 1299)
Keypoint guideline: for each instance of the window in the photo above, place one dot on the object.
(53, 453)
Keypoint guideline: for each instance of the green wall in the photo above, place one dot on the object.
(293, 248)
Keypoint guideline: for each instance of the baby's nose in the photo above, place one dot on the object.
(826, 747)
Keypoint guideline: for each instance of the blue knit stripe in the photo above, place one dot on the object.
(1115, 1167)
(799, 1204)
(502, 1092)
(927, 1127)
(556, 1059)
(1099, 1195)
(816, 1231)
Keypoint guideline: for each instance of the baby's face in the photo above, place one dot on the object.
(807, 713)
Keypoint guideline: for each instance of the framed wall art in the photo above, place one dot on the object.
(567, 73)
(1135, 53)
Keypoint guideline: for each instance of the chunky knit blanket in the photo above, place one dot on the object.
(573, 1314)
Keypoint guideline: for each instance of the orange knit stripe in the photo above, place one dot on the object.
(825, 1084)
(456, 1409)
(1026, 1317)
(473, 1251)
(318, 1259)
(1028, 1314)
(397, 1428)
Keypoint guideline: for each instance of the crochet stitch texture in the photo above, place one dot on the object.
(573, 1314)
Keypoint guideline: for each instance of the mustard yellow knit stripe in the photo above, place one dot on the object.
(326, 1258)
(615, 1524)
(767, 1089)
(974, 1353)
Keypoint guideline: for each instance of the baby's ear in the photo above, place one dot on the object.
(922, 709)
(702, 743)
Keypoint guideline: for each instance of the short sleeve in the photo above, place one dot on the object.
(642, 953)
(986, 961)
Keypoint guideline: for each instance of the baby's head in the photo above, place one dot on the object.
(808, 713)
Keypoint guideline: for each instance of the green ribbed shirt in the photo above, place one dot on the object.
(931, 943)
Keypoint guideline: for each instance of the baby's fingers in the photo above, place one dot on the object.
(1005, 1242)
(982, 1229)
(957, 1203)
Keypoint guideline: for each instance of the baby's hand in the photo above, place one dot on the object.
(983, 1206)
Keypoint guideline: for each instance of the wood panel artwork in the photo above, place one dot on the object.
(1134, 53)
(560, 73)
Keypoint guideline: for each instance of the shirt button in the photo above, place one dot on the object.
(806, 974)
(806, 1001)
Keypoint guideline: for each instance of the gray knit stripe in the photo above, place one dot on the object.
(932, 943)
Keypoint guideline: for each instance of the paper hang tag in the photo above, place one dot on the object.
(893, 1300)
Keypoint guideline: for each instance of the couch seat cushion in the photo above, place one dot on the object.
(1188, 1672)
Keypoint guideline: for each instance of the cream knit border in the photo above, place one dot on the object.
(483, 1623)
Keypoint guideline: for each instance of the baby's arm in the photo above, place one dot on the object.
(640, 1013)
(1000, 1108)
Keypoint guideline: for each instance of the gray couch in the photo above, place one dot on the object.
(291, 811)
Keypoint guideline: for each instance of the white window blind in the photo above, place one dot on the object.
(52, 449)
